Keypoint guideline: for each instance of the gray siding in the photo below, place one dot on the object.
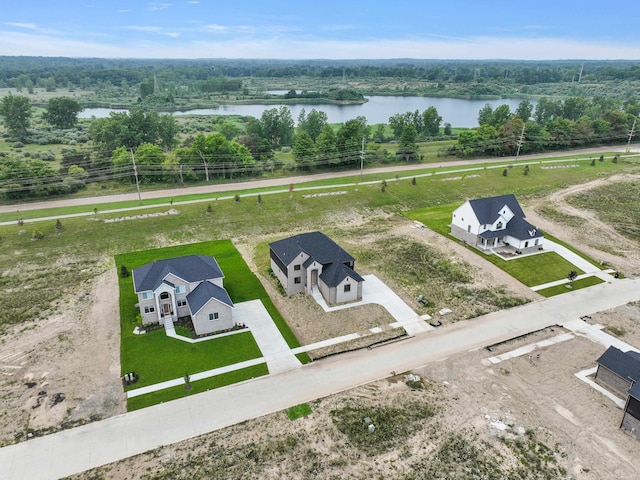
(613, 381)
(203, 325)
(463, 235)
(631, 424)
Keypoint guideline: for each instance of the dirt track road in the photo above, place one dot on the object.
(281, 182)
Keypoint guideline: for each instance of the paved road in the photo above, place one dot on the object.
(99, 443)
(279, 182)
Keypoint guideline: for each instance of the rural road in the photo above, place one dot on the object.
(285, 181)
(75, 450)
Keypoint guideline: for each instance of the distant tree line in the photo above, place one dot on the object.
(209, 75)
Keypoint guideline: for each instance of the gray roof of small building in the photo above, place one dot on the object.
(204, 292)
(621, 363)
(315, 244)
(190, 268)
(487, 210)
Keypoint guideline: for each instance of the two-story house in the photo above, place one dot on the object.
(190, 286)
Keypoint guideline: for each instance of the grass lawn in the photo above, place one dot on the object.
(199, 386)
(299, 411)
(157, 357)
(576, 285)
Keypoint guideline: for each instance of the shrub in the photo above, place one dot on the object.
(124, 271)
(37, 235)
(504, 172)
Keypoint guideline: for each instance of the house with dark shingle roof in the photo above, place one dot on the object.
(618, 370)
(312, 261)
(189, 286)
(494, 222)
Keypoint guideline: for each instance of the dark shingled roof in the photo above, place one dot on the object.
(487, 210)
(634, 391)
(191, 268)
(204, 292)
(314, 244)
(517, 228)
(320, 248)
(333, 274)
(621, 363)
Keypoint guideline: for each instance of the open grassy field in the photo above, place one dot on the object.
(41, 275)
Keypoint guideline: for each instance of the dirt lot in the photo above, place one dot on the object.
(519, 419)
(75, 353)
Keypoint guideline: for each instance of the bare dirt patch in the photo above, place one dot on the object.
(518, 419)
(64, 370)
(584, 230)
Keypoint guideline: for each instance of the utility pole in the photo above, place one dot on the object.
(580, 76)
(362, 159)
(520, 140)
(631, 134)
(135, 172)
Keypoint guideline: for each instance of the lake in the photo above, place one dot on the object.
(456, 111)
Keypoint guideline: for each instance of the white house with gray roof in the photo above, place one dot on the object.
(310, 261)
(189, 286)
(494, 222)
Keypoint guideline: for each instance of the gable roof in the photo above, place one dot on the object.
(621, 363)
(487, 210)
(204, 292)
(190, 268)
(335, 273)
(315, 244)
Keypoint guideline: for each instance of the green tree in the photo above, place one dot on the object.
(407, 148)
(303, 149)
(349, 139)
(62, 112)
(431, 121)
(229, 129)
(16, 113)
(313, 123)
(326, 148)
(485, 115)
(277, 126)
(524, 110)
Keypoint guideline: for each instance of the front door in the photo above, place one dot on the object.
(166, 309)
(314, 277)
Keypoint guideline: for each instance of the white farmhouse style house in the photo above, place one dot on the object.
(189, 286)
(310, 261)
(493, 222)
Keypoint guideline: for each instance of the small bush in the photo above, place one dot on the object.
(37, 235)
(124, 271)
(504, 172)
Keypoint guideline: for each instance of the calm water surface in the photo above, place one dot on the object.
(458, 112)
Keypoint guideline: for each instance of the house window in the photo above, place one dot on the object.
(182, 303)
(296, 267)
(468, 228)
(499, 226)
(213, 316)
(147, 295)
(347, 288)
(164, 296)
(297, 280)
(181, 289)
(149, 309)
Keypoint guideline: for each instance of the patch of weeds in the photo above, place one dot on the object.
(536, 460)
(392, 424)
(617, 331)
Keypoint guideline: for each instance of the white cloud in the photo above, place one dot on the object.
(28, 26)
(124, 10)
(216, 28)
(26, 43)
(143, 28)
(153, 6)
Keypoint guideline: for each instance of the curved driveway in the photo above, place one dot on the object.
(99, 443)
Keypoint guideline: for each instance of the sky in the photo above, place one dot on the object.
(327, 29)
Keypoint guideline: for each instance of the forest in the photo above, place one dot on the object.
(48, 151)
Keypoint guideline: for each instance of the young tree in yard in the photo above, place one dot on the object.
(62, 112)
(16, 113)
(431, 121)
(407, 148)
